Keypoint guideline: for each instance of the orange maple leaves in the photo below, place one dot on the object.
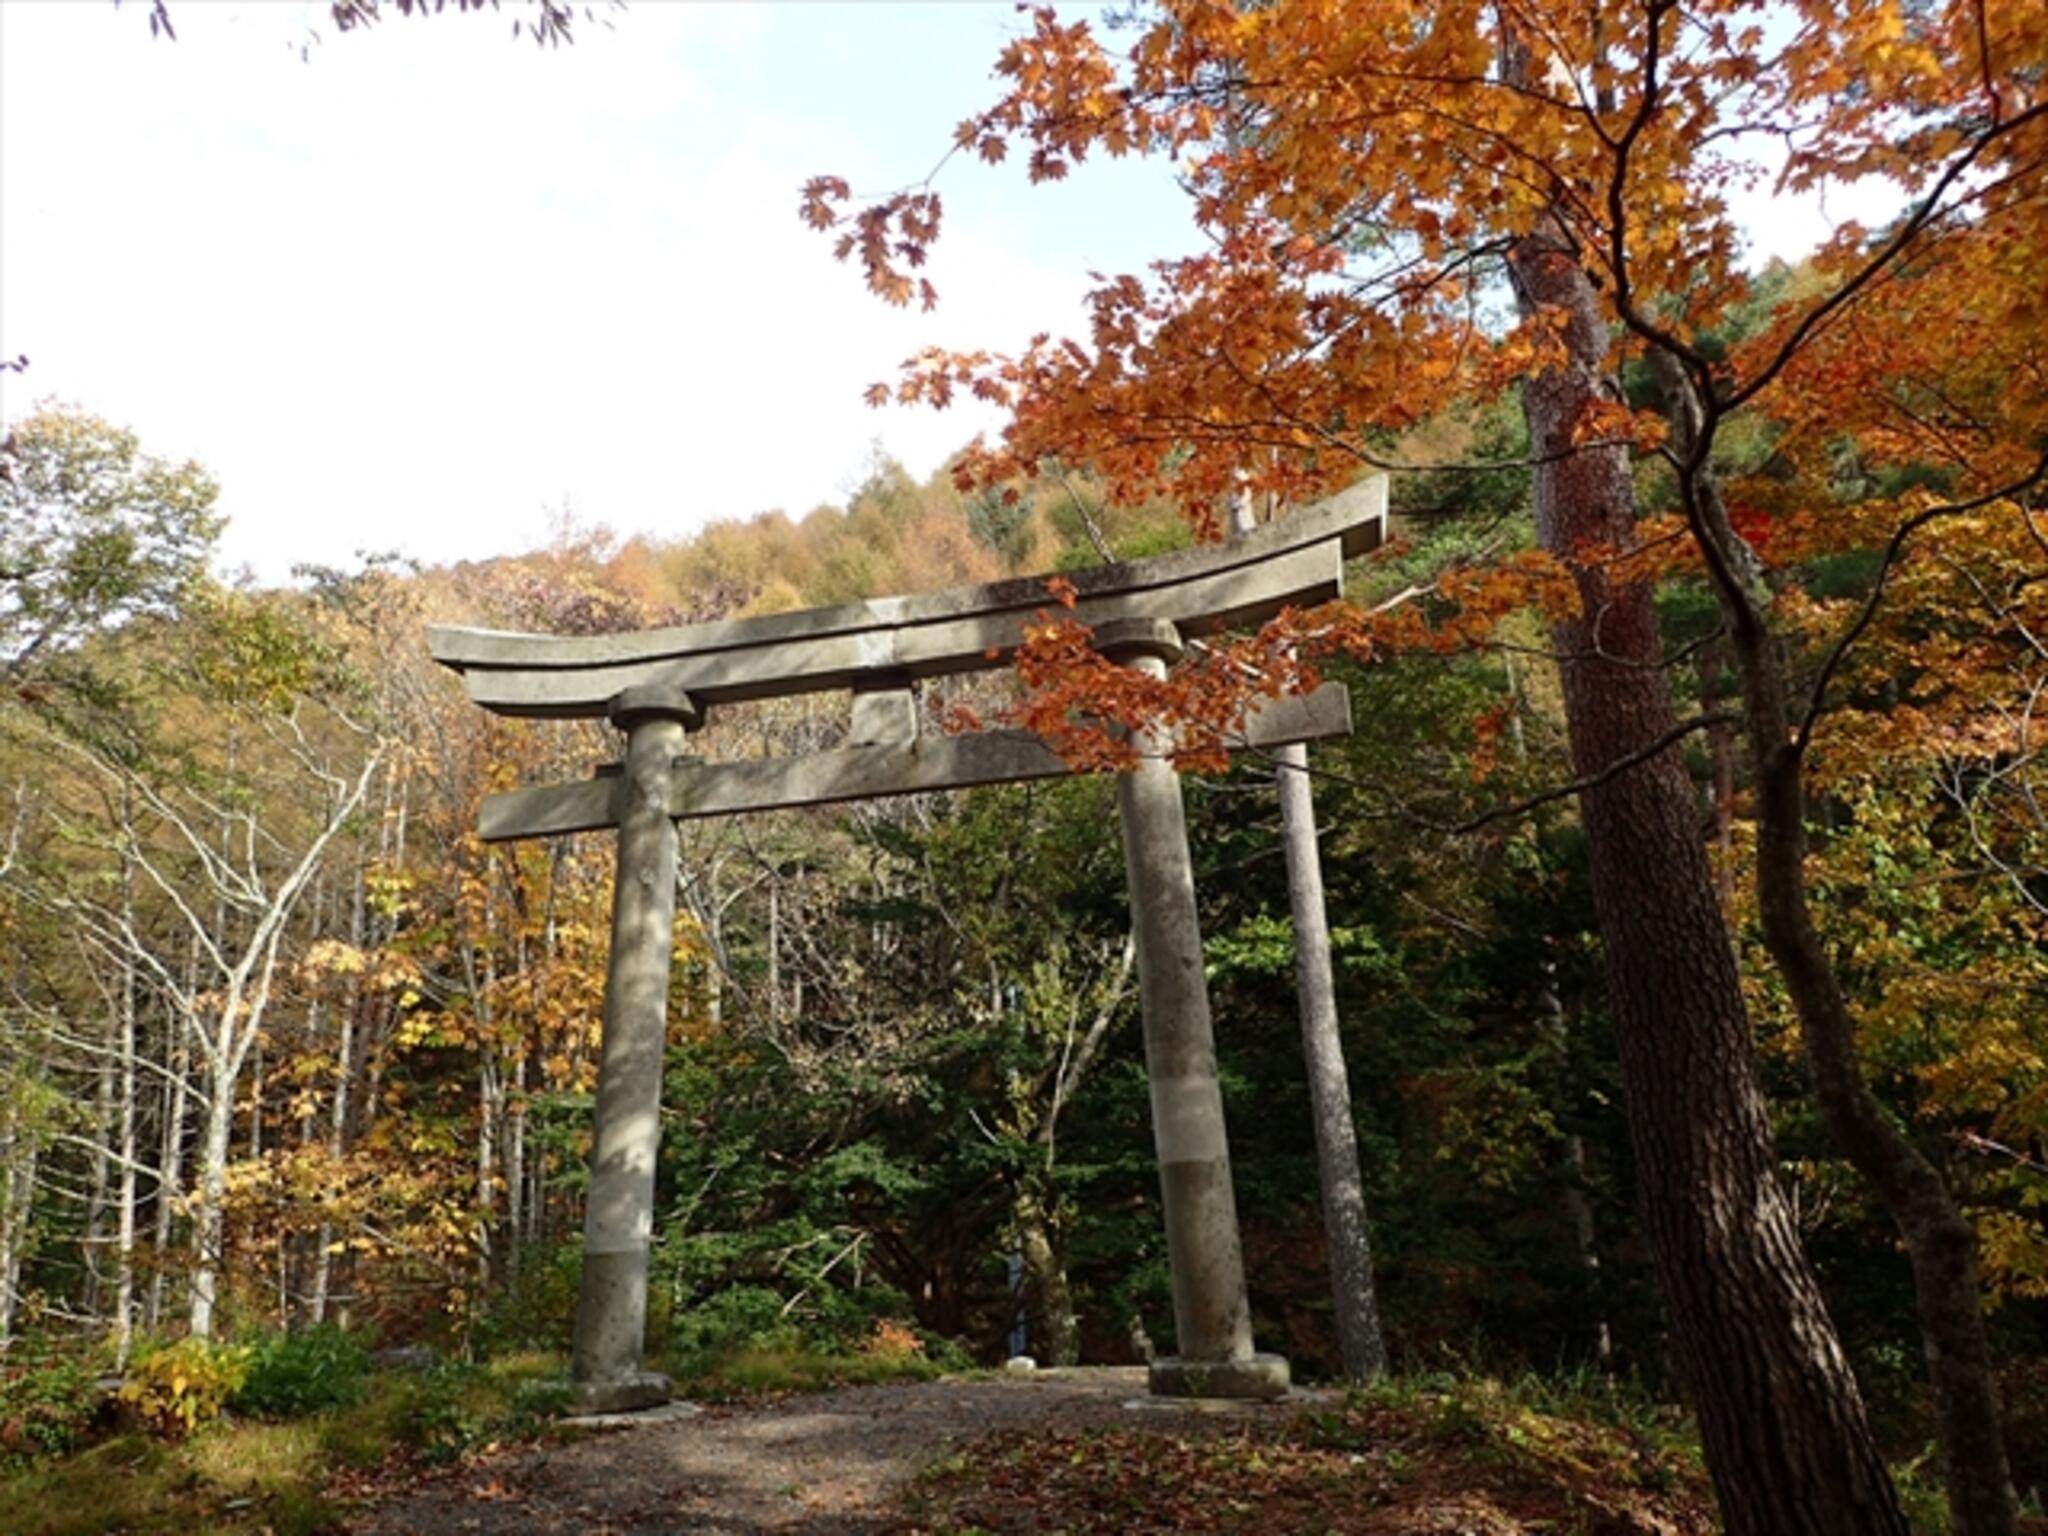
(888, 236)
(1360, 169)
(1100, 715)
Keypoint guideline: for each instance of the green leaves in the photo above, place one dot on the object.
(94, 533)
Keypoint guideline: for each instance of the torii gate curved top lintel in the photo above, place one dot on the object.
(657, 684)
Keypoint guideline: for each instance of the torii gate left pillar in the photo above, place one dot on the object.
(618, 1226)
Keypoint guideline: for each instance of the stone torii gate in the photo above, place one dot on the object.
(656, 686)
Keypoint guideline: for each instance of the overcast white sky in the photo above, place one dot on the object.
(419, 291)
(433, 285)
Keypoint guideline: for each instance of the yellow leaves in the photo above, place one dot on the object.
(2012, 1254)
(416, 1029)
(176, 1389)
(331, 957)
(385, 891)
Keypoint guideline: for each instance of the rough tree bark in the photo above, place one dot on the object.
(1940, 1242)
(1787, 1437)
(1045, 1281)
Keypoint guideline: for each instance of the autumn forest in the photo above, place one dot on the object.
(1645, 1127)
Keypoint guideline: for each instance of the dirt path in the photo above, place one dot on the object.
(829, 1462)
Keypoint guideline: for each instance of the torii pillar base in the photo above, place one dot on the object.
(1211, 1313)
(630, 1394)
(1262, 1378)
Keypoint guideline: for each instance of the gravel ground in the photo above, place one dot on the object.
(828, 1462)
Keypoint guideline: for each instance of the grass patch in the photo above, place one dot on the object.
(758, 1372)
(293, 1478)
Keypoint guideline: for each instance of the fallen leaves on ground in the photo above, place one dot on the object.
(1474, 1461)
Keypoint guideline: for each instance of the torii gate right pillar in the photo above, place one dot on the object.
(1211, 1315)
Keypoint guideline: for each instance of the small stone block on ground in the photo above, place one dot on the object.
(665, 1413)
(1262, 1378)
(630, 1395)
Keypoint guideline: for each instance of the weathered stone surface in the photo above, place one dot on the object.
(1126, 640)
(855, 773)
(633, 1418)
(1263, 1377)
(655, 701)
(884, 710)
(1238, 594)
(611, 1307)
(1355, 518)
(1211, 1315)
(625, 1394)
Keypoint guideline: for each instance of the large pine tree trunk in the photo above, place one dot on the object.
(1787, 1438)
(1940, 1242)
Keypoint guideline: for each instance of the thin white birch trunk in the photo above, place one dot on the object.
(207, 1224)
(124, 1241)
(170, 1178)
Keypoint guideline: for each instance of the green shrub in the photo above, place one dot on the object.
(442, 1421)
(539, 1312)
(534, 1403)
(47, 1409)
(738, 1317)
(290, 1374)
